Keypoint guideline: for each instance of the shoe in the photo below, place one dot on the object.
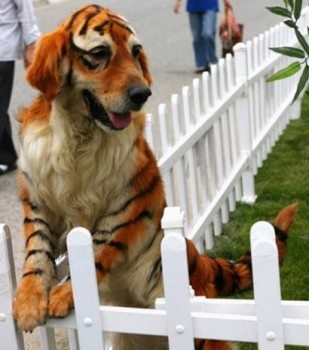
(200, 70)
(4, 169)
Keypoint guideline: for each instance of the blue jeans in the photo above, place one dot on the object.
(204, 27)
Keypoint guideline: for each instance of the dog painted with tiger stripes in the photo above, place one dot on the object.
(84, 162)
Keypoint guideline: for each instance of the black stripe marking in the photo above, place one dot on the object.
(28, 220)
(90, 15)
(118, 245)
(219, 277)
(140, 172)
(153, 239)
(100, 27)
(70, 75)
(140, 216)
(156, 269)
(193, 264)
(100, 268)
(37, 272)
(280, 234)
(41, 251)
(74, 47)
(99, 241)
(77, 13)
(141, 194)
(43, 236)
(201, 345)
(246, 260)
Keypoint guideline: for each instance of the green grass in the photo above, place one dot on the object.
(282, 180)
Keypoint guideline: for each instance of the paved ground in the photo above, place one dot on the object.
(167, 40)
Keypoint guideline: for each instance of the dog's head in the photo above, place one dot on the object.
(96, 57)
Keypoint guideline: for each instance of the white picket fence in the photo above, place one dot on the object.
(212, 140)
(266, 320)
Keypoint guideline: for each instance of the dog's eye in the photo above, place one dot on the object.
(100, 52)
(136, 50)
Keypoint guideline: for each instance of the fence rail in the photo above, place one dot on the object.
(212, 141)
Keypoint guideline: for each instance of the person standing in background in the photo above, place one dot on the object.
(18, 33)
(203, 25)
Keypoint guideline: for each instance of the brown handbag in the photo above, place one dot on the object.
(230, 31)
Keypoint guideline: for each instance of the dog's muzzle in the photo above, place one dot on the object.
(137, 96)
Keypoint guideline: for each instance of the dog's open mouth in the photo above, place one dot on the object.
(112, 120)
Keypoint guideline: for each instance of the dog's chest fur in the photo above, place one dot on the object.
(76, 176)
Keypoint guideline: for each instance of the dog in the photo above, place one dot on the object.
(84, 161)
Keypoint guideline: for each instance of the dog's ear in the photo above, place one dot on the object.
(44, 71)
(143, 60)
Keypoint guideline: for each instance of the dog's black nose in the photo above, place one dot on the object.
(139, 94)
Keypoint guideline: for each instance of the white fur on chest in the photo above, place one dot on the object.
(75, 176)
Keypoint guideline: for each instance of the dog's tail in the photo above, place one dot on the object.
(219, 277)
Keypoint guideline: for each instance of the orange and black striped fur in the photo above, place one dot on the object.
(84, 162)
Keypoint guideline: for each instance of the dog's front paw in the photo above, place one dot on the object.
(30, 304)
(60, 300)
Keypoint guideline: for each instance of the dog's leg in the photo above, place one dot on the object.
(30, 305)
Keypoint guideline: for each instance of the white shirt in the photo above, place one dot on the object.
(18, 28)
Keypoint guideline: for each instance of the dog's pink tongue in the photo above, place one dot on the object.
(120, 121)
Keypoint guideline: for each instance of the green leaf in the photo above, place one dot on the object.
(291, 3)
(289, 51)
(302, 40)
(302, 82)
(290, 23)
(281, 11)
(286, 72)
(297, 9)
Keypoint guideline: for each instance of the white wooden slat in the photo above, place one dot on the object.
(218, 152)
(196, 99)
(244, 115)
(233, 129)
(262, 83)
(191, 157)
(176, 281)
(11, 338)
(183, 187)
(200, 148)
(168, 177)
(206, 93)
(256, 91)
(209, 238)
(266, 284)
(85, 291)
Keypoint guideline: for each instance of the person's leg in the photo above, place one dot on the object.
(195, 20)
(209, 35)
(8, 154)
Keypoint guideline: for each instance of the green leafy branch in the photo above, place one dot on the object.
(292, 10)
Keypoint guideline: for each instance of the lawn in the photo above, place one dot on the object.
(282, 180)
